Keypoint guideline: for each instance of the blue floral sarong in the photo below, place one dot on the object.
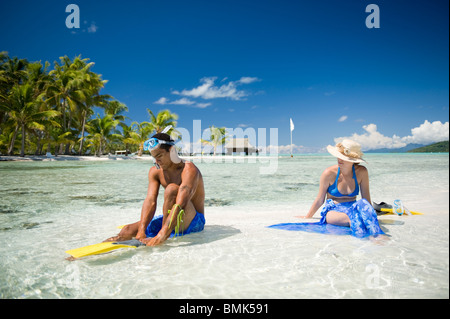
(363, 218)
(196, 225)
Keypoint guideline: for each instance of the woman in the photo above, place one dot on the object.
(340, 184)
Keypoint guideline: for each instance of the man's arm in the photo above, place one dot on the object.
(149, 205)
(189, 183)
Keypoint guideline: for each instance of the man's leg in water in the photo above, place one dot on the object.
(126, 233)
(171, 220)
(170, 196)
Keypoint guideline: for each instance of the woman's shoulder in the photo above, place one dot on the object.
(361, 172)
(360, 168)
(330, 171)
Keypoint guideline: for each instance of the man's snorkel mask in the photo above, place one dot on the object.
(154, 142)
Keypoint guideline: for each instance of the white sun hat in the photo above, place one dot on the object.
(347, 150)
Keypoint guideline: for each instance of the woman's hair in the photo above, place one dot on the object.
(163, 137)
(348, 153)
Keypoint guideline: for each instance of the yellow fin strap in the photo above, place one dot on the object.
(179, 219)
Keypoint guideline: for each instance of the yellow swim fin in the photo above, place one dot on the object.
(103, 248)
(391, 211)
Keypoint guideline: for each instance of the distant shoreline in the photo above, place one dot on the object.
(44, 158)
(212, 158)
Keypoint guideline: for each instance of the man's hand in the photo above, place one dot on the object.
(141, 235)
(155, 241)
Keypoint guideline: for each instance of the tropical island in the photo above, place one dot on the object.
(62, 112)
(439, 147)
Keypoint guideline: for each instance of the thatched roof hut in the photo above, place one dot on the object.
(240, 145)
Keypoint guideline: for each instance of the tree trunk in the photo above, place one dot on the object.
(82, 133)
(11, 147)
(38, 145)
(64, 127)
(99, 149)
(22, 148)
(66, 152)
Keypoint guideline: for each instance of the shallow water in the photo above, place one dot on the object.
(49, 207)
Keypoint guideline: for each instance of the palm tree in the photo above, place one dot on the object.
(86, 96)
(7, 135)
(115, 108)
(61, 92)
(71, 90)
(162, 120)
(55, 136)
(75, 88)
(129, 137)
(12, 71)
(101, 130)
(85, 111)
(142, 132)
(218, 137)
(37, 75)
(23, 110)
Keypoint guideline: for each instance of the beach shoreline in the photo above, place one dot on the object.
(211, 158)
(38, 158)
(206, 158)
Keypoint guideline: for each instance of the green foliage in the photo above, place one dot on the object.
(440, 147)
(44, 110)
(218, 137)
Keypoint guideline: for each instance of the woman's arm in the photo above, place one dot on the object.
(320, 199)
(364, 183)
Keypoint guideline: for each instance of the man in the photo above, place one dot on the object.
(184, 197)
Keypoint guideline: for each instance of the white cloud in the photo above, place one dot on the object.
(343, 118)
(207, 90)
(182, 101)
(92, 28)
(372, 139)
(426, 133)
(248, 80)
(200, 90)
(161, 101)
(202, 105)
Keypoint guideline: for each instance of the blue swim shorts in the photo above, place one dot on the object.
(197, 225)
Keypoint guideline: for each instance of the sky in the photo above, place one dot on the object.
(256, 64)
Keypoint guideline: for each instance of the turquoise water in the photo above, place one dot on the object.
(49, 207)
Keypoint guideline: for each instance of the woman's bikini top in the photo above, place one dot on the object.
(334, 191)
